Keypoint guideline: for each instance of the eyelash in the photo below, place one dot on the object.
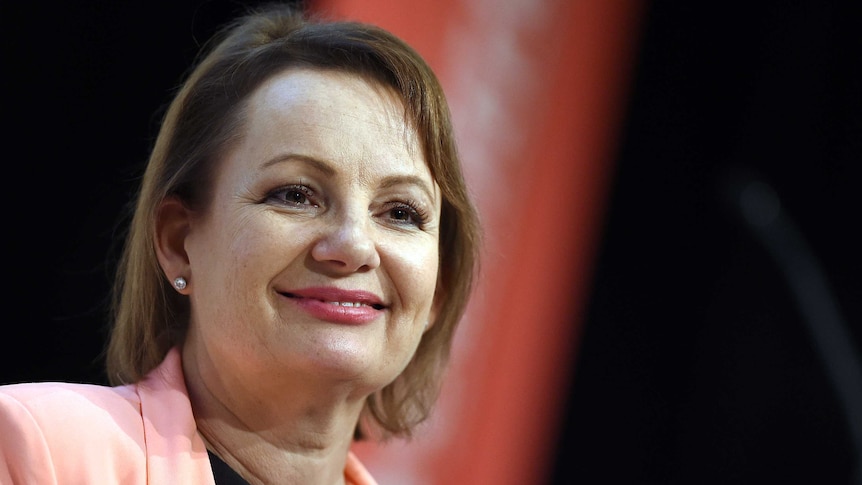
(283, 191)
(418, 216)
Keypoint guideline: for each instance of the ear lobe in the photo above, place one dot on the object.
(172, 227)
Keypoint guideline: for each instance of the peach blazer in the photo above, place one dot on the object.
(143, 433)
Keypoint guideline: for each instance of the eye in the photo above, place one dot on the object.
(293, 195)
(402, 213)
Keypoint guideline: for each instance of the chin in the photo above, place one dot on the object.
(351, 364)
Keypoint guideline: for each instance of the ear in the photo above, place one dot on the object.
(172, 227)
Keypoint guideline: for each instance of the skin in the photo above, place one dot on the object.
(328, 188)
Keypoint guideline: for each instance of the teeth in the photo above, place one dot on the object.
(346, 303)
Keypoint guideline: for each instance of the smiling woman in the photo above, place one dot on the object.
(301, 251)
(317, 265)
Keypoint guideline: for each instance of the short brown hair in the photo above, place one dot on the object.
(204, 120)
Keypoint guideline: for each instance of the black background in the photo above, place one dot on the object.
(695, 365)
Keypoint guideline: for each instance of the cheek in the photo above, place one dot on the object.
(262, 245)
(236, 257)
(236, 261)
(417, 273)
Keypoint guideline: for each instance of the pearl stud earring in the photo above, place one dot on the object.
(180, 283)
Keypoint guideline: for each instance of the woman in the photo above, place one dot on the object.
(301, 250)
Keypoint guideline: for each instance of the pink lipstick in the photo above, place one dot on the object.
(337, 306)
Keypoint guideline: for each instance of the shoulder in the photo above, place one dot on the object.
(48, 429)
(355, 472)
(62, 407)
(38, 394)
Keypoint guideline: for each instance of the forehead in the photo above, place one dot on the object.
(325, 111)
(327, 97)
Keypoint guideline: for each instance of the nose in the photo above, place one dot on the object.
(347, 245)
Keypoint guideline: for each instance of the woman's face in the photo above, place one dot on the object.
(318, 255)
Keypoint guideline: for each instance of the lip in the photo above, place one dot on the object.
(319, 302)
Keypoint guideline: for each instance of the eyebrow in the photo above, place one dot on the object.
(292, 157)
(394, 180)
(326, 169)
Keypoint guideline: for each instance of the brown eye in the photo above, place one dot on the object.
(294, 196)
(404, 214)
(400, 214)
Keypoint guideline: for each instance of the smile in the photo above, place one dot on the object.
(353, 304)
(349, 303)
(336, 305)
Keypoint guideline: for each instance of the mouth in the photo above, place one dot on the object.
(339, 303)
(335, 305)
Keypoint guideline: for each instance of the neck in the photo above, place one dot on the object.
(303, 439)
(261, 462)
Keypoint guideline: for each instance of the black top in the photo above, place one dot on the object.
(224, 474)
